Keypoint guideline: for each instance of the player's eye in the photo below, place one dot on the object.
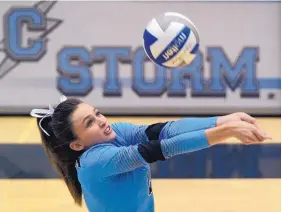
(98, 113)
(89, 123)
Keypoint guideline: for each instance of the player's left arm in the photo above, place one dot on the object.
(186, 125)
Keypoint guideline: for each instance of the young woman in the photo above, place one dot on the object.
(109, 163)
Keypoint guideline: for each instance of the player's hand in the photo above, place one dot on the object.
(239, 116)
(247, 132)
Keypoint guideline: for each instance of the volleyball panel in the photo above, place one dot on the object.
(186, 55)
(166, 39)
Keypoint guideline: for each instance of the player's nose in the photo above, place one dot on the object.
(101, 122)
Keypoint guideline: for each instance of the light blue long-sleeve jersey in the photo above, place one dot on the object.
(114, 176)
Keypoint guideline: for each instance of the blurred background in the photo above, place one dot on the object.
(93, 50)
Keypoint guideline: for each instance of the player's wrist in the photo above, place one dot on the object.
(219, 121)
(219, 134)
(222, 120)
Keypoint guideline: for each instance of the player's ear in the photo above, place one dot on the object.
(76, 145)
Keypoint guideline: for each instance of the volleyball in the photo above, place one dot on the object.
(171, 40)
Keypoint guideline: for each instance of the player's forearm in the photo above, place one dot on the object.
(194, 141)
(186, 125)
(218, 134)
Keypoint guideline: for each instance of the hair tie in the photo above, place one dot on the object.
(43, 113)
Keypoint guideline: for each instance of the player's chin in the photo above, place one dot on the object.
(110, 136)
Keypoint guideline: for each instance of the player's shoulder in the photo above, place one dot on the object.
(121, 127)
(92, 162)
(92, 156)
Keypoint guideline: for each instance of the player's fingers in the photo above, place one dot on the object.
(252, 139)
(249, 142)
(267, 136)
(258, 135)
(247, 118)
(249, 139)
(261, 133)
(257, 126)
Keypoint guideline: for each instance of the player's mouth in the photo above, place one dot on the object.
(108, 130)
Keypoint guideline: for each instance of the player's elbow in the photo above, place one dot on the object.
(151, 151)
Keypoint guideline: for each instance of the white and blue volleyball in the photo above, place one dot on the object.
(171, 40)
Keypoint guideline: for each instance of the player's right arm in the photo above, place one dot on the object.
(108, 160)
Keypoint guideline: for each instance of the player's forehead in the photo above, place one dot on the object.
(82, 111)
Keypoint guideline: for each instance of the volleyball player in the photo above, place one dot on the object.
(108, 164)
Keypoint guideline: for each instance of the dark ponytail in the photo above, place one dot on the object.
(56, 145)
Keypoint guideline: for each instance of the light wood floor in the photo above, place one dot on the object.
(170, 196)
